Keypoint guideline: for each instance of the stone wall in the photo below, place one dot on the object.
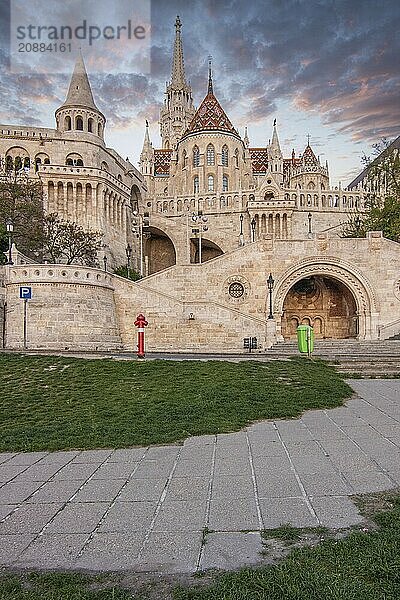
(72, 308)
(209, 307)
(2, 303)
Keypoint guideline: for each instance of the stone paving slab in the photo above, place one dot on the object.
(203, 504)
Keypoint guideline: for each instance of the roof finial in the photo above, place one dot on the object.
(210, 82)
(147, 124)
(308, 139)
(178, 22)
(246, 138)
(274, 122)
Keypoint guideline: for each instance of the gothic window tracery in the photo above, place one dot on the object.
(210, 155)
(225, 156)
(210, 183)
(225, 183)
(196, 185)
(196, 156)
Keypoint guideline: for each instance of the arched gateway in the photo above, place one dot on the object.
(333, 298)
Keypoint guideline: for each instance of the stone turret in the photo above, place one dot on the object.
(178, 109)
(275, 156)
(79, 112)
(147, 154)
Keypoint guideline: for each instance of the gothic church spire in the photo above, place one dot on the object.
(178, 79)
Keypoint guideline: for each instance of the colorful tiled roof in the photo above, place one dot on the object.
(309, 158)
(210, 116)
(259, 160)
(162, 161)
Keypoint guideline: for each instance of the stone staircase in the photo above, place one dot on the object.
(368, 358)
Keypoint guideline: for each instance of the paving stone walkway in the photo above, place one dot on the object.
(179, 509)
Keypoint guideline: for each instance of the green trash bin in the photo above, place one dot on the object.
(305, 339)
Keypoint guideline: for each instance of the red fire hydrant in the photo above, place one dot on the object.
(140, 323)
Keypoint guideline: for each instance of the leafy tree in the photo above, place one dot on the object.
(67, 242)
(122, 271)
(382, 205)
(21, 200)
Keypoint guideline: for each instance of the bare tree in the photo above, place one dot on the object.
(67, 242)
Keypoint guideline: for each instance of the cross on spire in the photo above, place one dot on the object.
(210, 82)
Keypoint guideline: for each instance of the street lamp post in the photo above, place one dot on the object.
(253, 229)
(128, 251)
(241, 237)
(10, 230)
(139, 224)
(270, 284)
(309, 223)
(199, 225)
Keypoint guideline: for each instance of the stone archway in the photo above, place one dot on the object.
(209, 250)
(158, 250)
(323, 302)
(339, 273)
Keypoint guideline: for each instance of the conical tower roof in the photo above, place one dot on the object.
(80, 92)
(309, 158)
(210, 116)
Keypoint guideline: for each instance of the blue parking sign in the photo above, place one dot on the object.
(25, 293)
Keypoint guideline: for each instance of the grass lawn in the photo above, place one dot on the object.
(55, 403)
(365, 565)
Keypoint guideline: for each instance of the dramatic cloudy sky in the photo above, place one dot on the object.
(328, 68)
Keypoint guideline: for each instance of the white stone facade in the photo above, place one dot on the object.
(216, 219)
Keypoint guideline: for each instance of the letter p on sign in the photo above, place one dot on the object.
(25, 293)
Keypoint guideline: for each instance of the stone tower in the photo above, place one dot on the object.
(79, 113)
(178, 109)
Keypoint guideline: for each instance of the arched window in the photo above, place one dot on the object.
(210, 183)
(196, 185)
(38, 162)
(69, 162)
(184, 157)
(225, 156)
(90, 125)
(27, 162)
(79, 123)
(18, 163)
(196, 157)
(9, 163)
(68, 123)
(79, 162)
(210, 155)
(236, 157)
(225, 183)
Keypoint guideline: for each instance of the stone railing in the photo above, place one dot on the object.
(67, 274)
(83, 171)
